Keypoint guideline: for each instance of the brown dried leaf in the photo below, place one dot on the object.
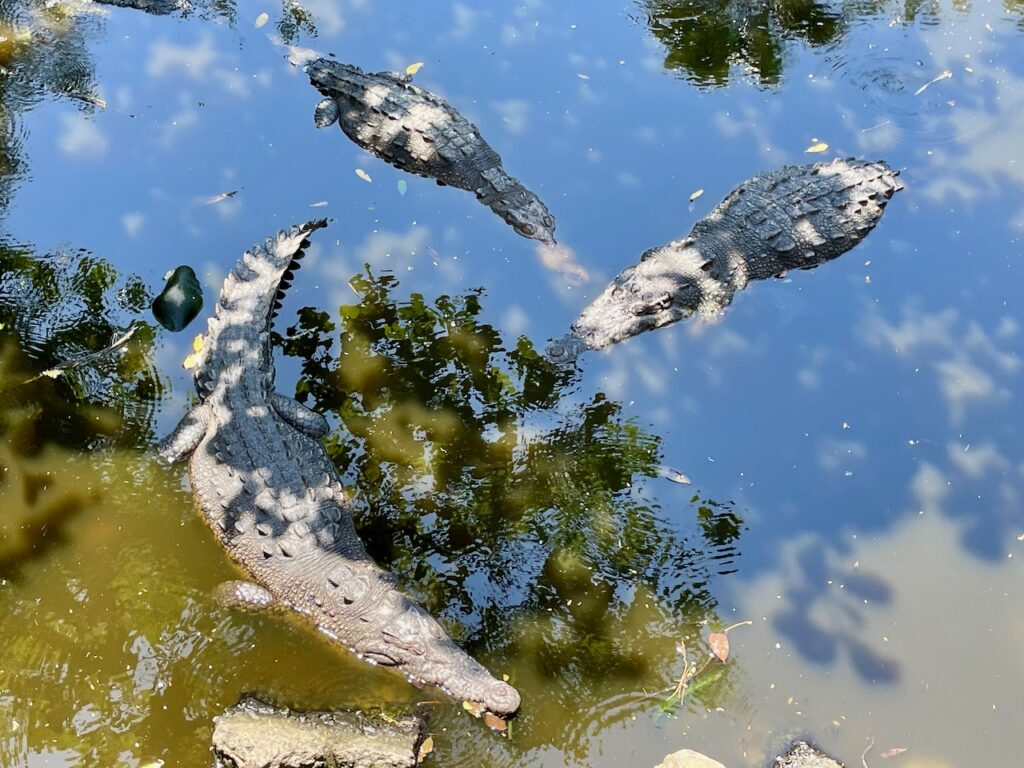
(495, 723)
(425, 748)
(894, 751)
(719, 643)
(474, 708)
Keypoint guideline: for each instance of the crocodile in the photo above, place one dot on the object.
(795, 217)
(265, 485)
(419, 132)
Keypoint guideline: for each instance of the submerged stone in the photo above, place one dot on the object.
(253, 734)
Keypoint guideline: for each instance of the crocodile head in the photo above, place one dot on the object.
(669, 284)
(527, 214)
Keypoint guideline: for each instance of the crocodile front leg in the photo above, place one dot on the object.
(243, 596)
(186, 436)
(298, 416)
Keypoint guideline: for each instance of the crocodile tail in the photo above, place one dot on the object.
(249, 299)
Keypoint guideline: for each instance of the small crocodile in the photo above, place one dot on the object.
(796, 217)
(265, 485)
(419, 132)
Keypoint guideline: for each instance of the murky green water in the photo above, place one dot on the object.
(853, 434)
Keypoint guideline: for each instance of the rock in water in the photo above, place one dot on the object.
(419, 132)
(803, 755)
(687, 758)
(181, 300)
(796, 217)
(255, 735)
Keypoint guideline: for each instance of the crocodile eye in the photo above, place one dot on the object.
(549, 221)
(527, 228)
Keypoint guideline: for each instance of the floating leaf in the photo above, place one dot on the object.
(180, 301)
(696, 194)
(505, 677)
(819, 146)
(403, 187)
(197, 343)
(894, 751)
(719, 643)
(52, 373)
(495, 723)
(262, 19)
(221, 196)
(321, 204)
(412, 69)
(473, 708)
(363, 175)
(190, 362)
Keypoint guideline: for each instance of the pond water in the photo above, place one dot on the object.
(853, 434)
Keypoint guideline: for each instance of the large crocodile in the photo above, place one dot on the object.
(796, 217)
(419, 132)
(265, 485)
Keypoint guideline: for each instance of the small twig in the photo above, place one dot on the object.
(864, 754)
(59, 368)
(748, 622)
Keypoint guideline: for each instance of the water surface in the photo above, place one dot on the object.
(852, 433)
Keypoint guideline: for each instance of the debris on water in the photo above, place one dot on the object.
(946, 73)
(262, 19)
(893, 752)
(718, 642)
(403, 187)
(695, 195)
(60, 368)
(817, 146)
(674, 475)
(180, 301)
(320, 204)
(412, 69)
(192, 360)
(364, 175)
(221, 196)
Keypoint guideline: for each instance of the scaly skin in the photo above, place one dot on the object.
(157, 7)
(265, 485)
(796, 217)
(419, 132)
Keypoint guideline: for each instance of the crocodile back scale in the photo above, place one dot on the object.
(419, 132)
(796, 217)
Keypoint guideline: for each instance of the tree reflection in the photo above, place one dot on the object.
(53, 309)
(501, 497)
(42, 51)
(707, 38)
